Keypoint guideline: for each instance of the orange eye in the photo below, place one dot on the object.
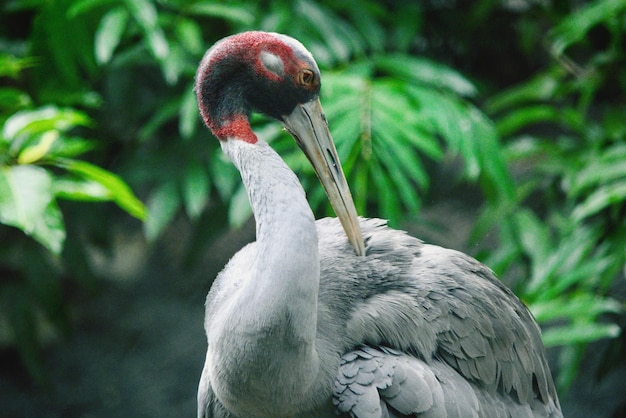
(306, 77)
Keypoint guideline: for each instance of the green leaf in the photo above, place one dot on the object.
(575, 26)
(400, 120)
(11, 66)
(580, 307)
(370, 27)
(386, 199)
(195, 189)
(496, 179)
(13, 100)
(579, 267)
(162, 206)
(225, 176)
(598, 170)
(601, 198)
(533, 235)
(109, 33)
(83, 6)
(71, 146)
(575, 260)
(239, 210)
(579, 333)
(189, 35)
(37, 151)
(422, 70)
(188, 114)
(518, 119)
(542, 87)
(27, 202)
(330, 30)
(47, 118)
(121, 194)
(360, 185)
(468, 132)
(145, 14)
(50, 229)
(234, 13)
(174, 64)
(158, 43)
(528, 147)
(391, 158)
(25, 192)
(80, 189)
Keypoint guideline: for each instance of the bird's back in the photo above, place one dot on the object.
(430, 310)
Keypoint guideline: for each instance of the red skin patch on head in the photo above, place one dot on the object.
(237, 126)
(245, 47)
(248, 47)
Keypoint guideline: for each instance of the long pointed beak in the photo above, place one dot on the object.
(308, 125)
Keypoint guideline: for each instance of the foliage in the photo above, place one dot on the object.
(113, 80)
(567, 226)
(34, 142)
(389, 110)
(33, 139)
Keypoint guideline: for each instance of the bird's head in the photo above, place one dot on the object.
(275, 75)
(253, 71)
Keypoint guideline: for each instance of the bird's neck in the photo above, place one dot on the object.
(276, 313)
(287, 262)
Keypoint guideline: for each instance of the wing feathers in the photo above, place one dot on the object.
(445, 304)
(402, 386)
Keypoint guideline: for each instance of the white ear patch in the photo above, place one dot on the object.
(273, 63)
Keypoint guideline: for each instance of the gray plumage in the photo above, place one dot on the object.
(463, 344)
(321, 318)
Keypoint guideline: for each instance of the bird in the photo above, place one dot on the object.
(344, 316)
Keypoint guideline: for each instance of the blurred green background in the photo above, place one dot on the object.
(494, 127)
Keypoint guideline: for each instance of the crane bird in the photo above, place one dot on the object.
(350, 318)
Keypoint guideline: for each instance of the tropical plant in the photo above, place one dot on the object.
(111, 81)
(566, 226)
(38, 166)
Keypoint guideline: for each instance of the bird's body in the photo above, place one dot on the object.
(309, 322)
